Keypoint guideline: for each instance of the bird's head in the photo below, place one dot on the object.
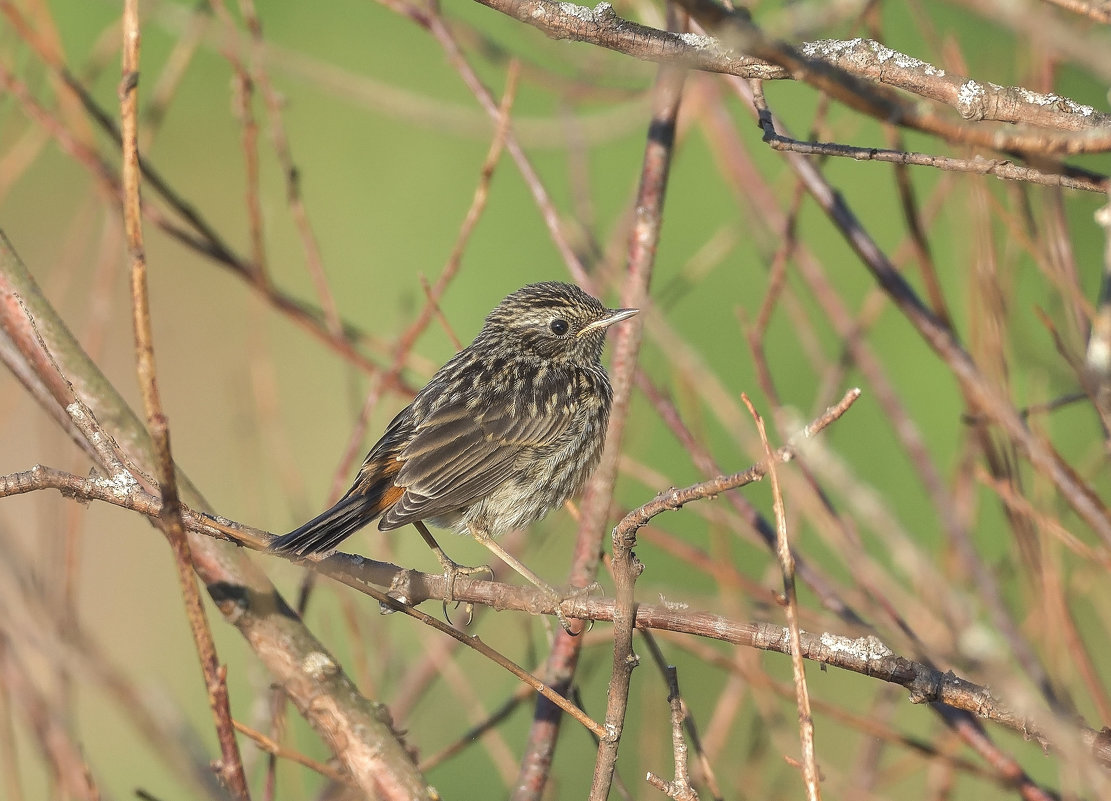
(552, 321)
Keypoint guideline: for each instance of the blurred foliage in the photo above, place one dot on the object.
(388, 143)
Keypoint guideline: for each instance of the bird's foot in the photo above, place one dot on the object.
(564, 622)
(593, 589)
(552, 597)
(558, 598)
(452, 571)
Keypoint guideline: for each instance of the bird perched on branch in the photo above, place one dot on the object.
(509, 428)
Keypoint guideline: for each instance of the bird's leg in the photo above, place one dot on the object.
(515, 563)
(451, 568)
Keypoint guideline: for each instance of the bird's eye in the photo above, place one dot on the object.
(559, 326)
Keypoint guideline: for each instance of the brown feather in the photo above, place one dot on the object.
(510, 427)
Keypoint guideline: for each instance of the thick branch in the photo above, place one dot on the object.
(867, 656)
(853, 71)
(354, 728)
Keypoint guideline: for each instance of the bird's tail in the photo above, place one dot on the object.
(328, 529)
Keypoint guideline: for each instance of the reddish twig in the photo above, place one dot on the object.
(790, 606)
(1004, 169)
(230, 766)
(314, 261)
(60, 746)
(197, 232)
(54, 368)
(643, 241)
(275, 748)
(443, 34)
(867, 655)
(680, 788)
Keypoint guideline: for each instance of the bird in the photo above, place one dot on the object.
(509, 428)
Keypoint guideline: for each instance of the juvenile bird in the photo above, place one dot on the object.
(509, 428)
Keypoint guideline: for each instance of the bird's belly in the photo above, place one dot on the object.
(548, 482)
(509, 507)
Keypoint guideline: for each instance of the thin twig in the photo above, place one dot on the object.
(271, 746)
(54, 736)
(980, 393)
(443, 34)
(492, 654)
(674, 499)
(867, 656)
(198, 234)
(680, 788)
(1004, 169)
(314, 261)
(473, 734)
(688, 721)
(643, 241)
(230, 766)
(243, 92)
(790, 607)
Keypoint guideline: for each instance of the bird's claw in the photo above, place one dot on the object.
(565, 623)
(592, 588)
(452, 571)
(575, 593)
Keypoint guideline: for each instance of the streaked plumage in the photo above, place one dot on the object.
(510, 427)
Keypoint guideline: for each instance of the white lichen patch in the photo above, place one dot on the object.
(970, 100)
(697, 40)
(1055, 101)
(865, 52)
(970, 92)
(673, 606)
(886, 53)
(1098, 356)
(572, 10)
(836, 643)
(868, 648)
(830, 48)
(119, 485)
(76, 411)
(318, 665)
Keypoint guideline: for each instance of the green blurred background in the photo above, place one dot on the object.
(388, 144)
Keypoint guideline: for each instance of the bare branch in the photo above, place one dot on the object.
(371, 751)
(845, 69)
(791, 609)
(680, 789)
(643, 242)
(1004, 169)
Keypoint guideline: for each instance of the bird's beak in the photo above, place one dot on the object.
(612, 316)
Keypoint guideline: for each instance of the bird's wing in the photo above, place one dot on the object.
(458, 453)
(374, 490)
